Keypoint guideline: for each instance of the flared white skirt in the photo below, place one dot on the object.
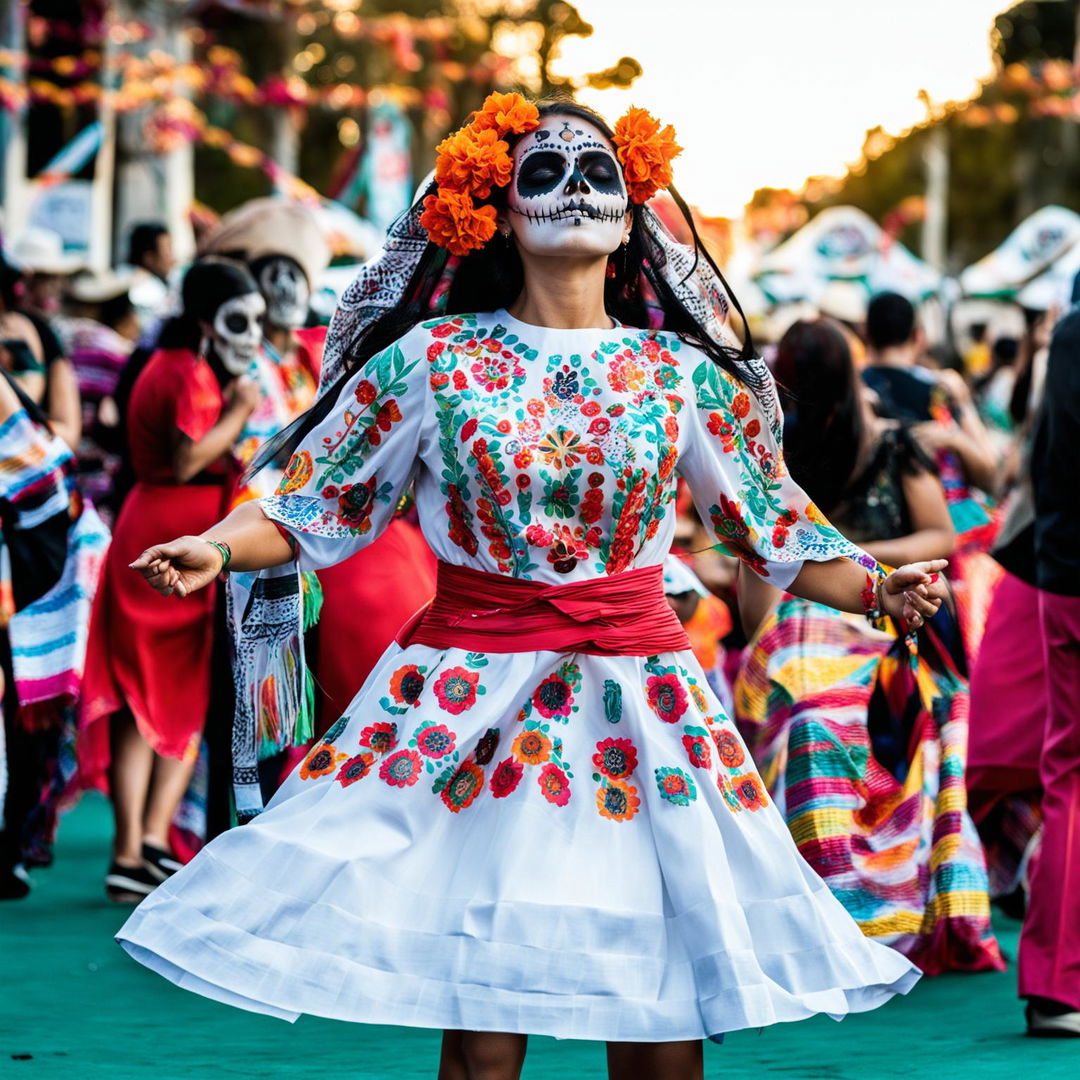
(575, 846)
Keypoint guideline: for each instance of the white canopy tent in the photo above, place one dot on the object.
(1027, 254)
(1053, 287)
(843, 243)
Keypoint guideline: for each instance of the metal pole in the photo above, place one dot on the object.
(936, 168)
(12, 136)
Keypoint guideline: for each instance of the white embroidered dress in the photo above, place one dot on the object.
(567, 845)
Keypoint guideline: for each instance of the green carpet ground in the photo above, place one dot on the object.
(73, 1005)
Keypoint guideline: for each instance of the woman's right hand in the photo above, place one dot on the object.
(180, 567)
(243, 394)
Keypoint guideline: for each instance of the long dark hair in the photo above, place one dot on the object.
(492, 277)
(823, 426)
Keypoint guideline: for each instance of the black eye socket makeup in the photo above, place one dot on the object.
(540, 173)
(602, 171)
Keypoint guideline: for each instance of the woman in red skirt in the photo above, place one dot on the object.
(148, 670)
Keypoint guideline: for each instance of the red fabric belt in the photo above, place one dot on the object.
(620, 615)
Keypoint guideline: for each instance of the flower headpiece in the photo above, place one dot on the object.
(645, 151)
(476, 159)
(470, 163)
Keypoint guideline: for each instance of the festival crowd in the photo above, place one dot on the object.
(925, 772)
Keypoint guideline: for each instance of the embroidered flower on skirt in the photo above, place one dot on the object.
(555, 785)
(617, 800)
(402, 769)
(506, 777)
(356, 768)
(676, 786)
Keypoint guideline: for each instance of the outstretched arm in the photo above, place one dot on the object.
(912, 593)
(190, 563)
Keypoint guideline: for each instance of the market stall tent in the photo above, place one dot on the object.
(843, 243)
(1031, 249)
(1053, 287)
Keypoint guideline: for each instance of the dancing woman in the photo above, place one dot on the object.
(534, 817)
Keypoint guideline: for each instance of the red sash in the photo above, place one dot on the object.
(620, 615)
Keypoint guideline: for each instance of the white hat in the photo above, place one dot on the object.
(41, 251)
(100, 287)
(272, 226)
(679, 578)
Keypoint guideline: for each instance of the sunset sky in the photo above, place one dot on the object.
(768, 92)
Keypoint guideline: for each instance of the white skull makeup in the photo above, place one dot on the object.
(567, 195)
(237, 331)
(286, 291)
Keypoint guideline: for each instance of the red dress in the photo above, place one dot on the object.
(148, 652)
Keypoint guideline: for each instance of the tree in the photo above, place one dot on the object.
(437, 58)
(1005, 159)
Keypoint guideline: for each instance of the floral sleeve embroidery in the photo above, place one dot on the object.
(736, 471)
(343, 483)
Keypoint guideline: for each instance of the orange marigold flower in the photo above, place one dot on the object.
(509, 114)
(454, 222)
(473, 161)
(645, 151)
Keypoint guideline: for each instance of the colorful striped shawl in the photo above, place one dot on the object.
(897, 848)
(48, 637)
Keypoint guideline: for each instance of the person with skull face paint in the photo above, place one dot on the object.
(148, 664)
(295, 347)
(367, 597)
(283, 245)
(535, 817)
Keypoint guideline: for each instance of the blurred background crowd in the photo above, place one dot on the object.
(907, 308)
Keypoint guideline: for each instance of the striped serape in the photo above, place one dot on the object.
(863, 748)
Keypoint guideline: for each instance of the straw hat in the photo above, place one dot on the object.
(41, 251)
(272, 227)
(100, 287)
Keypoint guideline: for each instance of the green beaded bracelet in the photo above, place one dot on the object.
(224, 551)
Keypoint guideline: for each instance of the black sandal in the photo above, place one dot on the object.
(129, 884)
(162, 864)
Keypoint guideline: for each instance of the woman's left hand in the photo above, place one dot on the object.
(915, 592)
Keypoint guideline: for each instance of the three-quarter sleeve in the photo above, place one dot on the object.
(734, 465)
(345, 480)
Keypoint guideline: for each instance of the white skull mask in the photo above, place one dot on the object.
(237, 331)
(567, 195)
(286, 290)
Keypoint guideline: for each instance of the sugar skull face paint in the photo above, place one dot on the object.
(237, 331)
(286, 291)
(567, 195)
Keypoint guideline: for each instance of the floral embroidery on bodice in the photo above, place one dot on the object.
(549, 454)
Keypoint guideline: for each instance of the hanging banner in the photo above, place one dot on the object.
(386, 175)
(75, 155)
(65, 208)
